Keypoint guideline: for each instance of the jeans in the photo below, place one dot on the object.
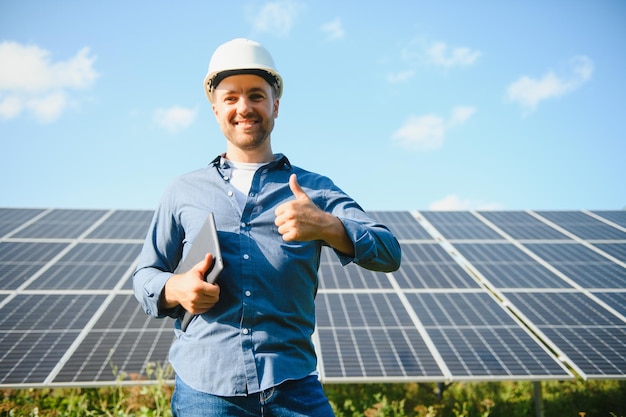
(302, 398)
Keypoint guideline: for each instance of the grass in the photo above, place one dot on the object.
(576, 398)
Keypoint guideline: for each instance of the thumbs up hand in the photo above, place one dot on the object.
(301, 220)
(298, 219)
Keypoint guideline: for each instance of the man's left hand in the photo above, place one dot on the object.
(302, 220)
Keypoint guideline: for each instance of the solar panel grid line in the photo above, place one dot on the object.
(492, 289)
(125, 276)
(87, 360)
(26, 224)
(425, 224)
(387, 342)
(25, 354)
(402, 224)
(420, 328)
(111, 241)
(352, 337)
(536, 330)
(433, 267)
(38, 240)
(584, 226)
(459, 226)
(63, 223)
(79, 339)
(549, 342)
(531, 254)
(62, 253)
(132, 348)
(613, 217)
(457, 257)
(369, 332)
(580, 240)
(386, 329)
(355, 291)
(490, 347)
(443, 290)
(524, 363)
(577, 343)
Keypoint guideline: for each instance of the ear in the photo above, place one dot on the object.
(276, 105)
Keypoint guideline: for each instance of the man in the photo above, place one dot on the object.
(248, 351)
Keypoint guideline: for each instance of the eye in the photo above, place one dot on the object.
(257, 97)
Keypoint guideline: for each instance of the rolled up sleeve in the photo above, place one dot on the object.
(375, 247)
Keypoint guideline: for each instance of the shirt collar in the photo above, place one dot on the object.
(281, 161)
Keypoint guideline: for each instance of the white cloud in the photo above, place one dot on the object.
(48, 108)
(175, 119)
(401, 76)
(528, 92)
(33, 82)
(333, 30)
(422, 133)
(425, 133)
(10, 107)
(454, 202)
(419, 53)
(276, 17)
(440, 54)
(461, 114)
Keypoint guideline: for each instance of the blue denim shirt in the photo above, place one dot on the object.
(259, 333)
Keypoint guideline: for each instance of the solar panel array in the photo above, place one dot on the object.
(480, 296)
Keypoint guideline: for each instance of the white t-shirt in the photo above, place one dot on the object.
(241, 178)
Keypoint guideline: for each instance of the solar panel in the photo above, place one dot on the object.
(365, 336)
(616, 217)
(428, 265)
(460, 225)
(560, 286)
(507, 266)
(583, 265)
(479, 296)
(123, 224)
(583, 225)
(402, 224)
(522, 226)
(61, 224)
(12, 218)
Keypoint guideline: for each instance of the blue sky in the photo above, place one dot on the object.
(406, 105)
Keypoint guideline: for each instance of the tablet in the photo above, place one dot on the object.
(205, 242)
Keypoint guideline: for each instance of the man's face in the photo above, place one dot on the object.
(245, 108)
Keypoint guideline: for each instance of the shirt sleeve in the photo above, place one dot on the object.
(159, 256)
(375, 247)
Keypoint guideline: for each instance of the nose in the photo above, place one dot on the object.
(243, 105)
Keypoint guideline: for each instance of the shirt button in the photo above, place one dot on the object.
(246, 256)
(230, 193)
(243, 225)
(248, 293)
(246, 331)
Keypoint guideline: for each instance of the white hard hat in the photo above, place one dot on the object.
(241, 56)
